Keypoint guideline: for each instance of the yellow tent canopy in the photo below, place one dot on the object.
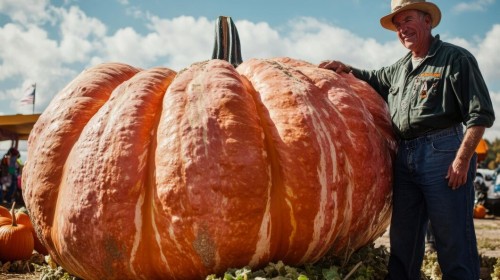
(16, 127)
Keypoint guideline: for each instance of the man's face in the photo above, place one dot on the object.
(413, 29)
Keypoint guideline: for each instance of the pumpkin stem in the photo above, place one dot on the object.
(227, 42)
(13, 214)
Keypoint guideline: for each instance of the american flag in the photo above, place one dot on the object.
(29, 95)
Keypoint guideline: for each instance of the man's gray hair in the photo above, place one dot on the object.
(423, 14)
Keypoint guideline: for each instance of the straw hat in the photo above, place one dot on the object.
(403, 5)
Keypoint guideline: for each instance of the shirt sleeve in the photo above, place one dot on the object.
(471, 92)
(377, 79)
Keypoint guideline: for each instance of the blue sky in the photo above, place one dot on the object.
(50, 42)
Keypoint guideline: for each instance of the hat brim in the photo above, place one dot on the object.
(426, 7)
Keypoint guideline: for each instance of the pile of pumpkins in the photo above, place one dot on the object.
(18, 238)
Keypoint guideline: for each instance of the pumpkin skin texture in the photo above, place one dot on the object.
(145, 174)
(24, 219)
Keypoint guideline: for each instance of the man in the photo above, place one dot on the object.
(431, 92)
(11, 166)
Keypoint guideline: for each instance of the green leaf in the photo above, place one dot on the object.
(331, 274)
(302, 277)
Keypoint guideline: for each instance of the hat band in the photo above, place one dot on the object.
(396, 8)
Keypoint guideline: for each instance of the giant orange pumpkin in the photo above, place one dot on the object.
(156, 175)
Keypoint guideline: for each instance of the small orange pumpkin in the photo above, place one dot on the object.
(479, 211)
(16, 240)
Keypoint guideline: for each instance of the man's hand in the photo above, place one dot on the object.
(335, 65)
(457, 173)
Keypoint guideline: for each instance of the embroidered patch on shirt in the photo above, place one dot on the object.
(428, 74)
(423, 94)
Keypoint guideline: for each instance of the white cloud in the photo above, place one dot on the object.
(312, 40)
(489, 62)
(315, 41)
(181, 41)
(26, 11)
(494, 131)
(80, 35)
(29, 54)
(259, 40)
(474, 6)
(487, 54)
(127, 46)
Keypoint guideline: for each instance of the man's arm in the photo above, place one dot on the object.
(457, 172)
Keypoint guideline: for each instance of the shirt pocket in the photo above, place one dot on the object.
(427, 94)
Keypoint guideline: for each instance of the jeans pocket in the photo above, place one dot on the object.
(449, 144)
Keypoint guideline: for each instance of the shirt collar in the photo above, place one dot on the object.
(435, 45)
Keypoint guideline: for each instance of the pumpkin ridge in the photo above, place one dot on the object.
(276, 187)
(149, 206)
(128, 119)
(112, 86)
(281, 219)
(55, 132)
(283, 143)
(371, 115)
(211, 128)
(311, 101)
(316, 104)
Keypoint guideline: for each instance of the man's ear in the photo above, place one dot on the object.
(428, 20)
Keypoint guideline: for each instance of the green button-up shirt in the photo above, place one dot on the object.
(445, 89)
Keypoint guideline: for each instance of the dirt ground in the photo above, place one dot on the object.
(29, 276)
(487, 232)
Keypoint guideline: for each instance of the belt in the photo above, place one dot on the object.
(436, 133)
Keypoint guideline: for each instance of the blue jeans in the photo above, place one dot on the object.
(421, 193)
